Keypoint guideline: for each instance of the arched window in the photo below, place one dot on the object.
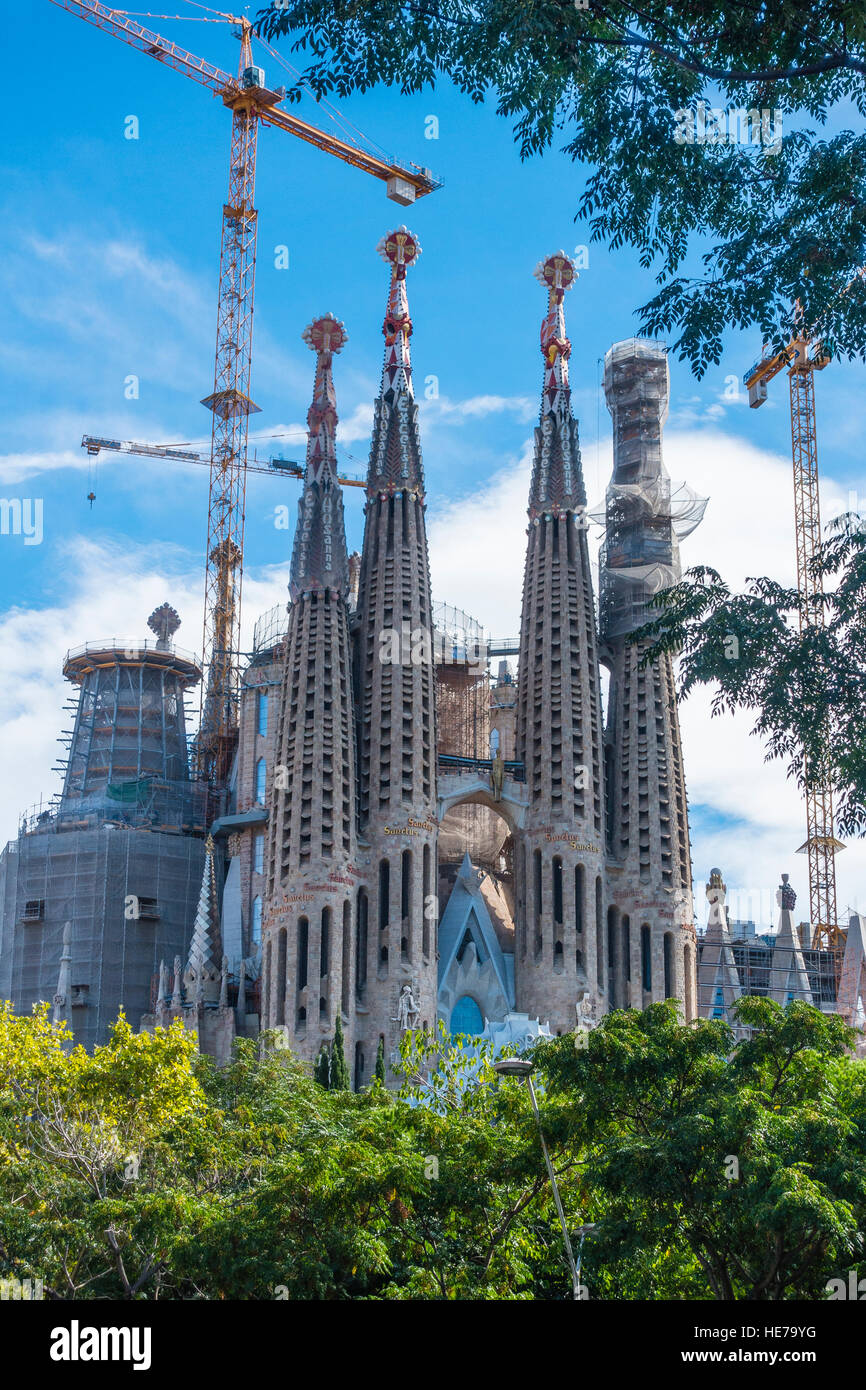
(347, 957)
(325, 944)
(384, 893)
(612, 963)
(256, 933)
(259, 853)
(557, 889)
(466, 1016)
(494, 743)
(281, 976)
(303, 952)
(578, 897)
(262, 713)
(669, 965)
(261, 775)
(406, 883)
(361, 943)
(599, 932)
(646, 960)
(429, 902)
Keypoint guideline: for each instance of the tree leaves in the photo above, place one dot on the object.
(767, 221)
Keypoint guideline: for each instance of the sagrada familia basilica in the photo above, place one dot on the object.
(408, 837)
(589, 904)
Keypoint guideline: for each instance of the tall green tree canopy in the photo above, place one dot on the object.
(143, 1171)
(736, 232)
(805, 686)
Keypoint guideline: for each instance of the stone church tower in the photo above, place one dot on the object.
(651, 946)
(394, 694)
(307, 936)
(602, 879)
(560, 854)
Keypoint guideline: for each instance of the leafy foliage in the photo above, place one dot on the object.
(806, 685)
(737, 232)
(339, 1078)
(144, 1171)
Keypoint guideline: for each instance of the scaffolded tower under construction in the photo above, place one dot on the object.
(118, 858)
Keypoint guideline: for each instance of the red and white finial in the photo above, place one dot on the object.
(557, 274)
(319, 559)
(400, 248)
(325, 335)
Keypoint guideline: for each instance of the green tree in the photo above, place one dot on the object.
(339, 1079)
(736, 230)
(322, 1068)
(749, 1162)
(805, 686)
(380, 1062)
(252, 1181)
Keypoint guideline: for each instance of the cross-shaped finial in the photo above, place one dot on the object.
(164, 621)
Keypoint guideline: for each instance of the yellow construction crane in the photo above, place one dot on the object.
(251, 103)
(803, 356)
(276, 467)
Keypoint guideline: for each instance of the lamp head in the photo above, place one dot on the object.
(514, 1066)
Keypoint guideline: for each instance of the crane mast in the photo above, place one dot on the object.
(803, 358)
(230, 404)
(821, 844)
(231, 407)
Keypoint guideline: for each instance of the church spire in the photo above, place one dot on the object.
(319, 558)
(557, 478)
(201, 976)
(395, 450)
(64, 987)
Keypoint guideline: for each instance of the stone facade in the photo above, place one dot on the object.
(602, 903)
(312, 842)
(649, 923)
(560, 853)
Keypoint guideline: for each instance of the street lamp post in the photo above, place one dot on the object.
(520, 1066)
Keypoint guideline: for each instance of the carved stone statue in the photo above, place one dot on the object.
(497, 775)
(162, 991)
(407, 1009)
(224, 983)
(586, 1008)
(176, 997)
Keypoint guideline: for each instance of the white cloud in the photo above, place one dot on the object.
(109, 592)
(477, 547)
(476, 407)
(748, 818)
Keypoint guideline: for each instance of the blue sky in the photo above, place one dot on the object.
(108, 270)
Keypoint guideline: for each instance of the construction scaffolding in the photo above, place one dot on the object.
(645, 514)
(129, 895)
(127, 752)
(270, 629)
(462, 683)
(463, 731)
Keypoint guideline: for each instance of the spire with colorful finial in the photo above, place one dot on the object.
(319, 558)
(557, 478)
(395, 454)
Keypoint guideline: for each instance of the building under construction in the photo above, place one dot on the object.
(736, 959)
(385, 789)
(116, 861)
